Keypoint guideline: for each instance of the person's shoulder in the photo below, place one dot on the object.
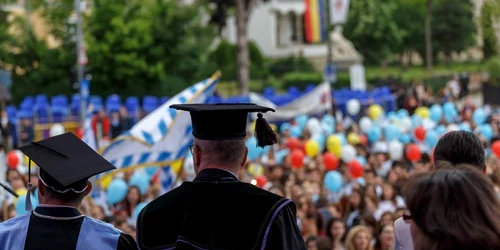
(166, 199)
(15, 222)
(101, 225)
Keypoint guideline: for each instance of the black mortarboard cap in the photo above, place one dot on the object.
(66, 162)
(228, 121)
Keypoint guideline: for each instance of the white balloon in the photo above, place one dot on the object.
(56, 129)
(314, 126)
(452, 127)
(428, 124)
(353, 107)
(365, 124)
(396, 150)
(348, 153)
(406, 124)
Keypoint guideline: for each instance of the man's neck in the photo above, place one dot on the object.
(56, 203)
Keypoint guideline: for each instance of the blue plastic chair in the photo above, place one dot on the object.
(11, 112)
(309, 88)
(41, 111)
(149, 103)
(40, 99)
(269, 92)
(75, 104)
(164, 99)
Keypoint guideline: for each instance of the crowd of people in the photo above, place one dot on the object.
(357, 214)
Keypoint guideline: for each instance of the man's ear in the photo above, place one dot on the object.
(41, 187)
(89, 188)
(196, 156)
(244, 157)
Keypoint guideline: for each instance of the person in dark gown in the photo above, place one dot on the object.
(66, 163)
(216, 210)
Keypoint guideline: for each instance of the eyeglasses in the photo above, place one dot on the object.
(191, 148)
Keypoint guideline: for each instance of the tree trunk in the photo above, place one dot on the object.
(428, 35)
(242, 13)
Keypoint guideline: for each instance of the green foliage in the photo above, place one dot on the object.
(493, 68)
(301, 79)
(490, 13)
(410, 19)
(281, 66)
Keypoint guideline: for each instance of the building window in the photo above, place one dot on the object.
(289, 29)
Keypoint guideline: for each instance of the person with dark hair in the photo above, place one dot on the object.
(384, 237)
(216, 210)
(66, 164)
(457, 147)
(336, 232)
(472, 223)
(424, 165)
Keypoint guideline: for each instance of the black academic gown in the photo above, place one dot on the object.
(62, 228)
(216, 211)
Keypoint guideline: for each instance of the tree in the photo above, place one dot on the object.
(428, 35)
(453, 26)
(373, 30)
(490, 14)
(410, 18)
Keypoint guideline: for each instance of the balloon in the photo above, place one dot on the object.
(355, 169)
(413, 152)
(450, 112)
(137, 210)
(436, 112)
(141, 181)
(365, 124)
(330, 161)
(392, 117)
(486, 131)
(117, 191)
(452, 127)
(254, 152)
(374, 134)
(353, 138)
(405, 138)
(441, 129)
(396, 150)
(301, 121)
(321, 139)
(295, 131)
(348, 153)
(280, 155)
(428, 124)
(403, 113)
(79, 133)
(261, 181)
(416, 121)
(314, 126)
(292, 143)
(361, 160)
(297, 158)
(56, 129)
(406, 124)
(431, 138)
(391, 132)
(353, 107)
(333, 181)
(21, 203)
(284, 127)
(342, 138)
(328, 120)
(495, 148)
(312, 148)
(273, 127)
(375, 111)
(479, 116)
(333, 144)
(364, 140)
(422, 112)
(12, 160)
(419, 133)
(465, 126)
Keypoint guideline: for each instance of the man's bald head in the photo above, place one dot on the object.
(460, 147)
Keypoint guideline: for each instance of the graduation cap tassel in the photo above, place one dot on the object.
(264, 133)
(28, 194)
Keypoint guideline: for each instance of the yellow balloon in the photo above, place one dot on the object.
(312, 148)
(375, 111)
(333, 144)
(20, 192)
(353, 139)
(422, 112)
(255, 169)
(105, 181)
(273, 126)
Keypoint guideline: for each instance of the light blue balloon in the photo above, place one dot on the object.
(416, 121)
(301, 121)
(479, 116)
(392, 116)
(361, 160)
(450, 112)
(21, 204)
(333, 181)
(486, 131)
(141, 181)
(138, 209)
(321, 139)
(374, 134)
(342, 138)
(295, 131)
(361, 181)
(284, 127)
(431, 138)
(465, 127)
(441, 129)
(436, 112)
(405, 138)
(327, 129)
(402, 113)
(117, 191)
(391, 132)
(280, 156)
(328, 119)
(253, 151)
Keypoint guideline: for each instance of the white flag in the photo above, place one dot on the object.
(338, 11)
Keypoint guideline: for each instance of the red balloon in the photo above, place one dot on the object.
(413, 152)
(12, 160)
(292, 143)
(355, 169)
(419, 133)
(364, 139)
(79, 133)
(261, 181)
(496, 148)
(297, 158)
(330, 161)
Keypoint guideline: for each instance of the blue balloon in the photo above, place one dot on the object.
(391, 132)
(436, 112)
(441, 129)
(361, 181)
(333, 181)
(465, 127)
(295, 131)
(342, 138)
(138, 209)
(431, 138)
(392, 116)
(486, 131)
(374, 134)
(328, 119)
(405, 138)
(284, 127)
(416, 121)
(450, 112)
(254, 152)
(361, 160)
(21, 203)
(301, 121)
(321, 139)
(327, 129)
(141, 181)
(479, 116)
(117, 191)
(280, 156)
(402, 113)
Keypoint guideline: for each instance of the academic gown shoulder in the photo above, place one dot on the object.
(284, 232)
